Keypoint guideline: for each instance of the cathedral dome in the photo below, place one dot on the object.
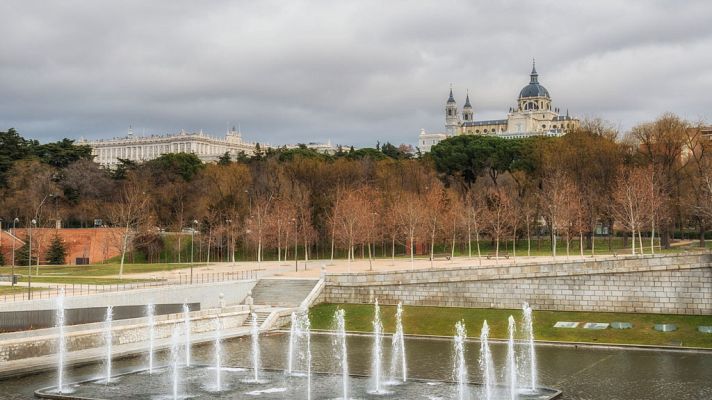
(534, 89)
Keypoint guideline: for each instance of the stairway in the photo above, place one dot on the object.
(261, 317)
(282, 292)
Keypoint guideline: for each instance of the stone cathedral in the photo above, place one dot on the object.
(532, 116)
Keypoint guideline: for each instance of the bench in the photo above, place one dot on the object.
(501, 255)
(440, 255)
(9, 278)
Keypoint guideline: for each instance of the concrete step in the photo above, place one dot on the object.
(261, 317)
(282, 292)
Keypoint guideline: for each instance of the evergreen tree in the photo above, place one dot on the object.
(21, 255)
(225, 159)
(2, 257)
(57, 252)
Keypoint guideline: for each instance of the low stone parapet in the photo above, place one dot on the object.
(676, 284)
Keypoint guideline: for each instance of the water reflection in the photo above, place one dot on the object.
(581, 373)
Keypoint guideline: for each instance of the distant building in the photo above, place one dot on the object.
(532, 116)
(207, 148)
(143, 148)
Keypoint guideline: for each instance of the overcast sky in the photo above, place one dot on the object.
(354, 72)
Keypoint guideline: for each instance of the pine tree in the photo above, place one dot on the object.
(57, 252)
(225, 159)
(2, 257)
(21, 255)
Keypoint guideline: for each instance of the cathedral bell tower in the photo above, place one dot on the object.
(467, 113)
(452, 120)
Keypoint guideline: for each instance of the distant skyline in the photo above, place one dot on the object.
(350, 72)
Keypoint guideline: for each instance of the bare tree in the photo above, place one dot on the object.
(631, 200)
(554, 196)
(258, 220)
(497, 216)
(411, 218)
(129, 210)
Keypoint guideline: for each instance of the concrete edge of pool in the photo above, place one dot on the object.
(602, 345)
(50, 392)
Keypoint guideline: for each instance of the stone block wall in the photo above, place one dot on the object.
(44, 342)
(680, 284)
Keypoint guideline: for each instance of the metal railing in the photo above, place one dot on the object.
(48, 291)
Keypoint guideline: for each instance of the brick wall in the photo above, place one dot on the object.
(680, 284)
(96, 244)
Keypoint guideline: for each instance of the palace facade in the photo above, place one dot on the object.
(532, 116)
(208, 148)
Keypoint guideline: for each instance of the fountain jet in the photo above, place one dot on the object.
(186, 327)
(175, 350)
(108, 338)
(512, 361)
(293, 334)
(218, 354)
(486, 363)
(341, 342)
(529, 336)
(377, 347)
(150, 312)
(255, 348)
(459, 369)
(61, 344)
(398, 348)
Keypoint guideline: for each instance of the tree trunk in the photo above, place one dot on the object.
(469, 241)
(393, 249)
(123, 252)
(432, 247)
(412, 256)
(259, 249)
(279, 244)
(333, 234)
(452, 249)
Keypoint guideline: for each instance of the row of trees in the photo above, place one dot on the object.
(655, 180)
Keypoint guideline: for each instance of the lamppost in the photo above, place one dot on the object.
(296, 241)
(192, 239)
(29, 262)
(14, 221)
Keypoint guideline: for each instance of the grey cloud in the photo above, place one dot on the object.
(352, 72)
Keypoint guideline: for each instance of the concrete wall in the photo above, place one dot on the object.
(206, 294)
(44, 342)
(679, 284)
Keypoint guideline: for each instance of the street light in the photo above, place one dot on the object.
(14, 234)
(192, 239)
(296, 240)
(29, 262)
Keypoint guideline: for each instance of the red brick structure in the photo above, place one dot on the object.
(6, 242)
(84, 245)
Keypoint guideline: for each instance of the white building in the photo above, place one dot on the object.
(532, 116)
(428, 140)
(143, 148)
(208, 148)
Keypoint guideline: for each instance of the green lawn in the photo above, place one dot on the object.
(440, 321)
(97, 269)
(79, 280)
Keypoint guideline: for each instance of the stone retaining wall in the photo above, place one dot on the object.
(44, 342)
(677, 284)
